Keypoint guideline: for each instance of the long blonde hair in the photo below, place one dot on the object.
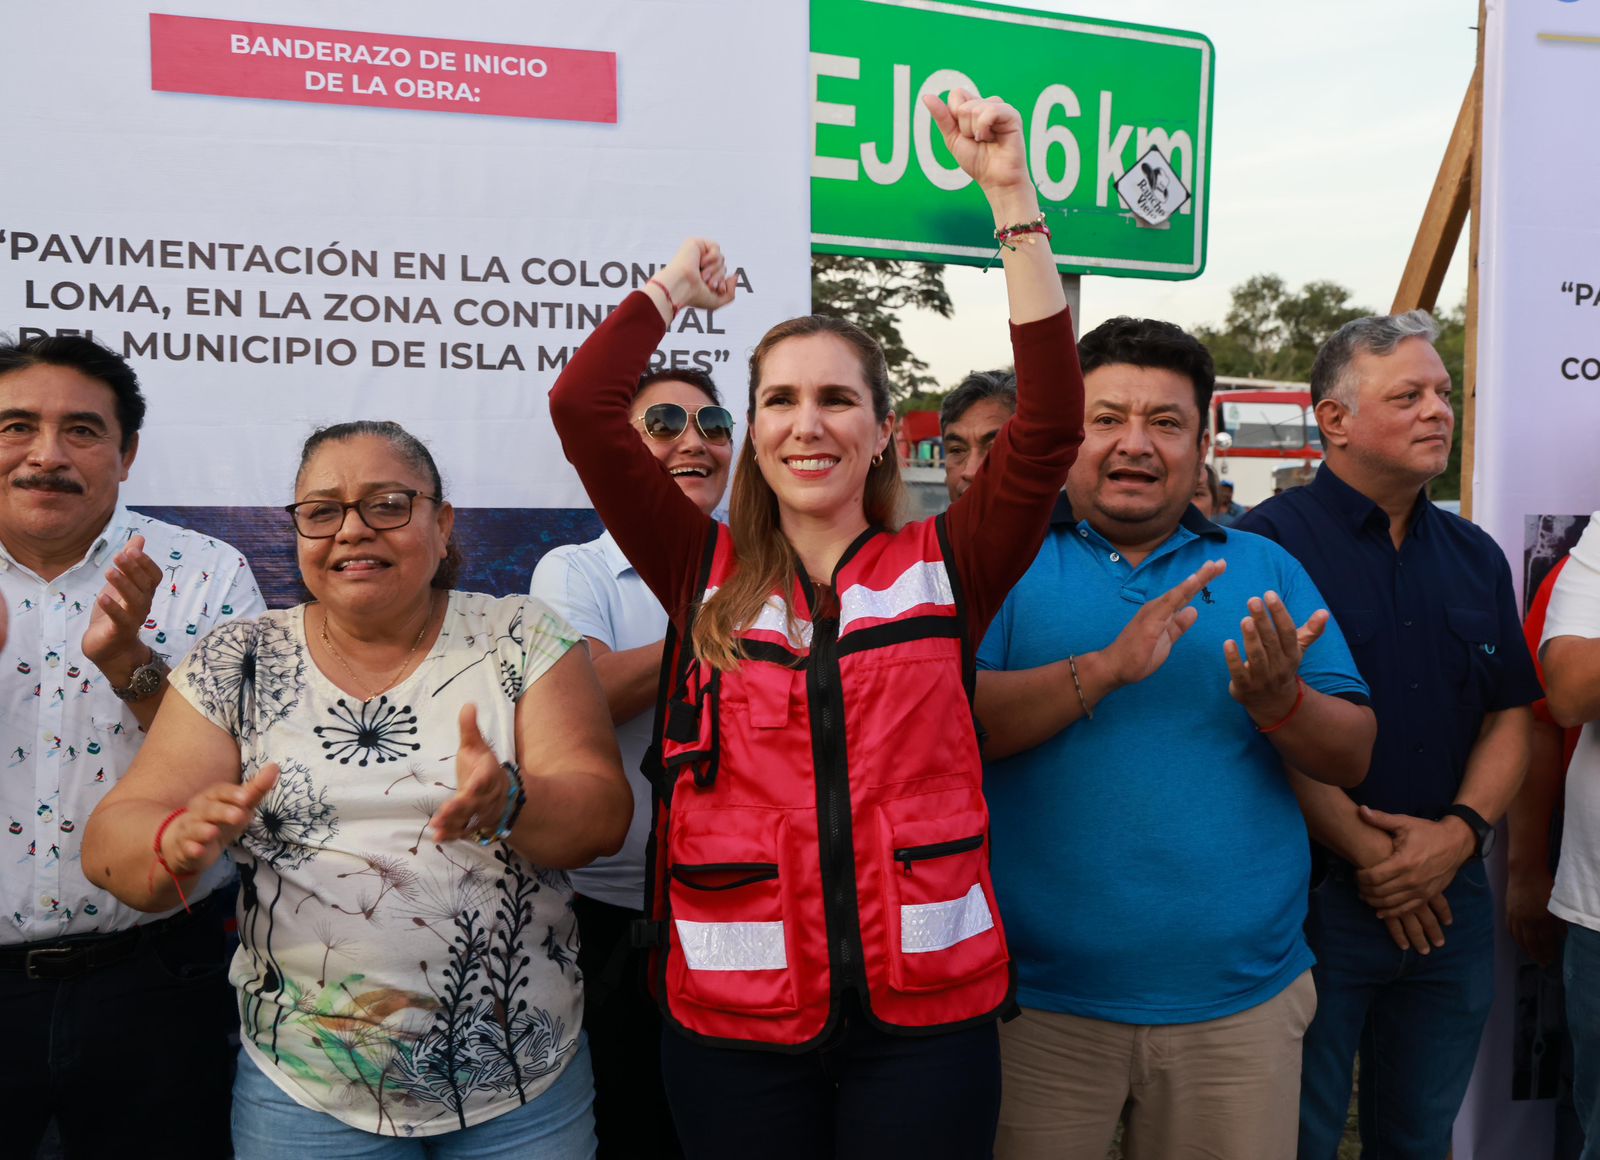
(766, 559)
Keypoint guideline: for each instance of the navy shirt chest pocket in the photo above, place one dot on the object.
(1360, 627)
(1469, 654)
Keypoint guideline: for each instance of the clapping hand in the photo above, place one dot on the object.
(1144, 645)
(214, 818)
(1265, 679)
(111, 642)
(481, 799)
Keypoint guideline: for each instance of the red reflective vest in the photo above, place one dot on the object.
(820, 823)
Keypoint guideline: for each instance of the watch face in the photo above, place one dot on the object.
(1486, 842)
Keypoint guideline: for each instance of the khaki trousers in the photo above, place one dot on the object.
(1226, 1089)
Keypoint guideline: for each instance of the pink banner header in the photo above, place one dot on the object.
(276, 62)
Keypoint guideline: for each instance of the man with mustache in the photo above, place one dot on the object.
(133, 1009)
(1149, 855)
(1403, 925)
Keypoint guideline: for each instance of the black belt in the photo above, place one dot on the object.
(77, 955)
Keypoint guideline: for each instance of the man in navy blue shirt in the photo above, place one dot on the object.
(1402, 927)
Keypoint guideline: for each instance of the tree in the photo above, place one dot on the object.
(870, 292)
(1271, 332)
(1452, 348)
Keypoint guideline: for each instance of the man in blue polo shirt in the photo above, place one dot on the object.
(1427, 603)
(1149, 856)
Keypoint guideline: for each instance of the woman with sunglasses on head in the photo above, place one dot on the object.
(680, 419)
(820, 882)
(399, 770)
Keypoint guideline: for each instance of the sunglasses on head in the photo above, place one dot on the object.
(665, 422)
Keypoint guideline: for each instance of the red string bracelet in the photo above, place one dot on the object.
(161, 860)
(1299, 695)
(662, 286)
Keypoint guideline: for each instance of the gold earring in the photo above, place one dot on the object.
(877, 459)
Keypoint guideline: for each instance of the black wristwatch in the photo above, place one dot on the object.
(145, 681)
(1481, 828)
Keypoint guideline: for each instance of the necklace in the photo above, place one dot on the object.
(390, 683)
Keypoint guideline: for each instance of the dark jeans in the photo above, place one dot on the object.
(132, 1058)
(623, 1023)
(1416, 1020)
(865, 1095)
(1581, 971)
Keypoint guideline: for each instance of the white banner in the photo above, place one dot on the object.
(297, 213)
(1538, 415)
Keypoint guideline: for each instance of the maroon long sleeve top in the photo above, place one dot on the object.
(994, 529)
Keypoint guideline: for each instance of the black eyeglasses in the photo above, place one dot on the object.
(665, 422)
(319, 519)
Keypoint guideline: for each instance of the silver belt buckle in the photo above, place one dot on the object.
(47, 955)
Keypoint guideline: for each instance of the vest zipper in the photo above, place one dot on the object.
(910, 855)
(830, 760)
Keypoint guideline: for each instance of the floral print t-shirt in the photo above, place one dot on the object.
(403, 987)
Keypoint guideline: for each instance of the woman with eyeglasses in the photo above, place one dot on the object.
(401, 772)
(681, 421)
(820, 884)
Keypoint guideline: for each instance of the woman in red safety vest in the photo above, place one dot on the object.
(820, 864)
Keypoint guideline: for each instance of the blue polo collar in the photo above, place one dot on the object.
(1192, 521)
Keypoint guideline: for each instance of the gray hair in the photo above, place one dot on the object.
(974, 389)
(1379, 334)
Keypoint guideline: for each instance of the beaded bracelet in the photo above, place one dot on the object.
(1004, 234)
(1072, 663)
(516, 798)
(161, 860)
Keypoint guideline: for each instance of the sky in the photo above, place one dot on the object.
(1329, 124)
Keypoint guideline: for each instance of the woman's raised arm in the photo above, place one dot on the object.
(996, 527)
(984, 134)
(658, 528)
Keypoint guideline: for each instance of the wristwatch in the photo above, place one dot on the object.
(145, 681)
(1481, 828)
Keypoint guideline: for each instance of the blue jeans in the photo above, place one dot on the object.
(1415, 1019)
(1580, 970)
(558, 1125)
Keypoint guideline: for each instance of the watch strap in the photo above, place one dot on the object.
(145, 680)
(1481, 829)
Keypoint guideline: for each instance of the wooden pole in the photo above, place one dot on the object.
(1469, 358)
(1457, 193)
(1446, 211)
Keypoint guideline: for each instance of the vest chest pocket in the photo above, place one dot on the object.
(939, 902)
(729, 935)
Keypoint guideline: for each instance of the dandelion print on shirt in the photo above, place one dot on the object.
(405, 987)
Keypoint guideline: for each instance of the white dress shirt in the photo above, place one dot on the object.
(66, 737)
(601, 596)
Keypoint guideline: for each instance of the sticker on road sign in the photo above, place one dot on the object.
(1152, 189)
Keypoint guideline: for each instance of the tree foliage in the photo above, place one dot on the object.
(1272, 332)
(871, 292)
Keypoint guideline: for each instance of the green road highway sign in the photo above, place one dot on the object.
(1095, 98)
